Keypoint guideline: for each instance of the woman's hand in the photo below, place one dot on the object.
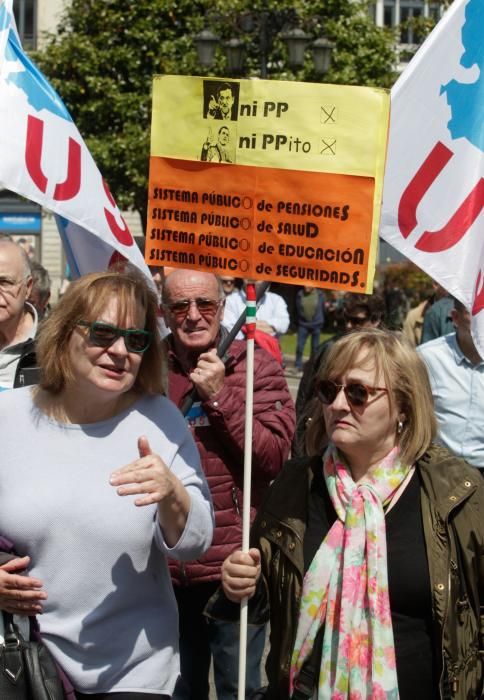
(240, 573)
(20, 594)
(150, 477)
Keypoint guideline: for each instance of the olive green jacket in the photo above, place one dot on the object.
(453, 517)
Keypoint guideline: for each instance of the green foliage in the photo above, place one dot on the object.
(105, 53)
(416, 284)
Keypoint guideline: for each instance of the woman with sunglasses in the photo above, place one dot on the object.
(100, 482)
(368, 556)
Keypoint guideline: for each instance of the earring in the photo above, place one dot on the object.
(399, 427)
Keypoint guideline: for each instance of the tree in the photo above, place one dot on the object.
(104, 54)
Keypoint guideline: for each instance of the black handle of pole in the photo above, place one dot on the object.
(223, 347)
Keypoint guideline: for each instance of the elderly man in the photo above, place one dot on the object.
(193, 306)
(18, 318)
(456, 373)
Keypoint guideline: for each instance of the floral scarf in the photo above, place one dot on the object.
(346, 588)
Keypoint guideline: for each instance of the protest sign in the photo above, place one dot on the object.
(268, 180)
(434, 184)
(45, 159)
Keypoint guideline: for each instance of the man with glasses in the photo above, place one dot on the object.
(193, 307)
(359, 311)
(228, 284)
(18, 319)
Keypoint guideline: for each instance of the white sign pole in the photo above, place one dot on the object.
(249, 403)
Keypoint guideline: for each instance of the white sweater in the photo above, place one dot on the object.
(111, 617)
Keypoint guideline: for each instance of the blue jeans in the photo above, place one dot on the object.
(302, 335)
(202, 639)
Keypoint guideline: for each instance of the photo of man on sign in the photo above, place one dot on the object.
(218, 150)
(220, 100)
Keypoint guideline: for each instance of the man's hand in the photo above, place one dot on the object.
(209, 374)
(212, 106)
(20, 594)
(240, 573)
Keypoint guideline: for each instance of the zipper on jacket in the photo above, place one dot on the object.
(446, 673)
(235, 500)
(451, 676)
(462, 602)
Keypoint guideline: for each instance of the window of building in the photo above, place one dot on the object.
(25, 17)
(394, 13)
(405, 15)
(410, 11)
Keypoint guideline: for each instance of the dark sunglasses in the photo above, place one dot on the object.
(355, 320)
(207, 307)
(357, 394)
(103, 335)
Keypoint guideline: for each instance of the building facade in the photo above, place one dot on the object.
(401, 15)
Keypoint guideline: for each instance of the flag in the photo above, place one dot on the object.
(433, 192)
(44, 158)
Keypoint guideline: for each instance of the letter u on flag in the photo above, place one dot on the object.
(44, 158)
(433, 193)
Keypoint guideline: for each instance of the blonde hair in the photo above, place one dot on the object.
(84, 300)
(405, 377)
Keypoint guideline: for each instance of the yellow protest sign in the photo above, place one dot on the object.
(268, 180)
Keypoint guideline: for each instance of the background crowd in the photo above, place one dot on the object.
(385, 435)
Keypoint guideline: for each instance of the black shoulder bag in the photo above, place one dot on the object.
(27, 669)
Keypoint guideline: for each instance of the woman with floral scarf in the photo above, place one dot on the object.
(367, 557)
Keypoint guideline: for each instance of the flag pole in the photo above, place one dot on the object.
(249, 402)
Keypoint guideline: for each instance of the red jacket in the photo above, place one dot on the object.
(219, 433)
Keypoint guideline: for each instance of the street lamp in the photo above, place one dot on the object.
(296, 41)
(267, 24)
(322, 49)
(235, 52)
(206, 43)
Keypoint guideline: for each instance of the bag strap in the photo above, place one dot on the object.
(309, 673)
(7, 618)
(12, 633)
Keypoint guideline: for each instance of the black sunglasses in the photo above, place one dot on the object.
(103, 335)
(207, 307)
(357, 394)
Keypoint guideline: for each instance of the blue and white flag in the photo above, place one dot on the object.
(45, 159)
(433, 193)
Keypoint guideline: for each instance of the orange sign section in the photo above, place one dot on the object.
(290, 226)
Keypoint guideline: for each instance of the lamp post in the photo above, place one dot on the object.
(267, 24)
(206, 42)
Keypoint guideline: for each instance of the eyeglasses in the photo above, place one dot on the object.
(207, 307)
(10, 287)
(355, 320)
(357, 394)
(103, 335)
